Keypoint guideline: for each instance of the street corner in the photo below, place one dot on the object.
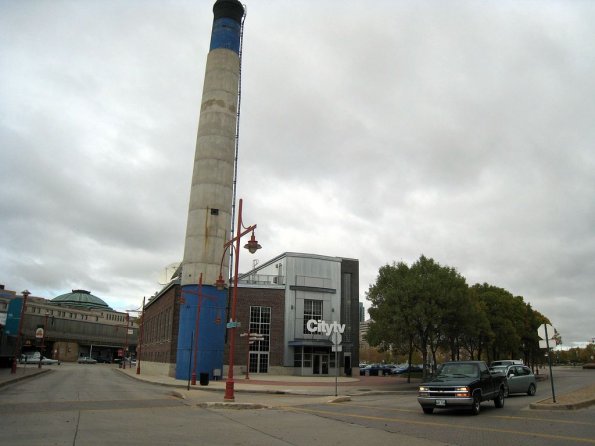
(340, 399)
(232, 405)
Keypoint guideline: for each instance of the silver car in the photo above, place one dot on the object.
(519, 379)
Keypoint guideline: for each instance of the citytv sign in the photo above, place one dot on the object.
(319, 326)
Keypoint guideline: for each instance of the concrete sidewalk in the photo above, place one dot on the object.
(22, 372)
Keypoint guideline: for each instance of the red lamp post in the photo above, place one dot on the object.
(17, 343)
(252, 246)
(140, 338)
(42, 347)
(125, 342)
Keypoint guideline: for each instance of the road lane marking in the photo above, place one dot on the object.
(455, 426)
(505, 417)
(548, 420)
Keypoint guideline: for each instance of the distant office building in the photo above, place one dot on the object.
(74, 324)
(362, 312)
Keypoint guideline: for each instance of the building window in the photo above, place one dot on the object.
(312, 310)
(260, 324)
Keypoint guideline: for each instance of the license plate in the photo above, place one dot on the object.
(440, 402)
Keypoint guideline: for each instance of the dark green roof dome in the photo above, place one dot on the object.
(81, 299)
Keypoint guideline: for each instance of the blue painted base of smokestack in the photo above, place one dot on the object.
(211, 331)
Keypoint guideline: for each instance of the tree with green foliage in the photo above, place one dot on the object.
(429, 307)
(410, 305)
(390, 325)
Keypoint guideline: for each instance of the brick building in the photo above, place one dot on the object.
(274, 301)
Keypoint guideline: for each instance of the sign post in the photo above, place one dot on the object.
(545, 331)
(336, 338)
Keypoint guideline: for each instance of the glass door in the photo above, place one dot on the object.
(320, 364)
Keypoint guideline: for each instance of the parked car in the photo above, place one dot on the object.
(506, 362)
(407, 368)
(375, 370)
(104, 360)
(519, 378)
(36, 357)
(464, 385)
(86, 360)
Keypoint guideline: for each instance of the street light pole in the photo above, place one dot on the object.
(252, 246)
(125, 343)
(140, 336)
(17, 343)
(42, 347)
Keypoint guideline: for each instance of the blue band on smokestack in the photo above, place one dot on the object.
(226, 25)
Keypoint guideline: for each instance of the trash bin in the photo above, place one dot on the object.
(204, 379)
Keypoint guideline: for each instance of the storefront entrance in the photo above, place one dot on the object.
(320, 364)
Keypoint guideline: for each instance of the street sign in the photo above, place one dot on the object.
(337, 348)
(39, 333)
(231, 324)
(336, 338)
(543, 343)
(550, 331)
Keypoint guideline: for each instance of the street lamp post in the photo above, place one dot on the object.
(126, 343)
(42, 346)
(140, 338)
(252, 246)
(247, 335)
(17, 343)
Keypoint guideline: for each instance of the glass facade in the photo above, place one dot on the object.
(260, 324)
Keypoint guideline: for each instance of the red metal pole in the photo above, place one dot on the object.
(17, 345)
(229, 384)
(125, 344)
(140, 338)
(42, 348)
(198, 304)
(248, 355)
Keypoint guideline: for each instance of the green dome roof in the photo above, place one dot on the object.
(81, 299)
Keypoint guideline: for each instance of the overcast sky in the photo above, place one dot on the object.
(376, 130)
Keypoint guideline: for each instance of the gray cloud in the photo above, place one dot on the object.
(373, 130)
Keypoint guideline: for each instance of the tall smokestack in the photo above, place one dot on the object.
(211, 196)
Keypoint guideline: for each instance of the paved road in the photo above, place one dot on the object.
(77, 404)
(513, 424)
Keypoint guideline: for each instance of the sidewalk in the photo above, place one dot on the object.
(279, 390)
(23, 372)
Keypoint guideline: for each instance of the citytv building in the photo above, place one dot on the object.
(275, 302)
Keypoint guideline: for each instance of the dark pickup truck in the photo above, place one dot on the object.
(462, 384)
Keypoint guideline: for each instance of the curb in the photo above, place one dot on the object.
(230, 405)
(23, 377)
(542, 405)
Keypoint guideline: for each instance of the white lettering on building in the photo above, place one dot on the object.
(314, 326)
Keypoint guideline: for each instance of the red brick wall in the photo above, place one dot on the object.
(264, 297)
(160, 327)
